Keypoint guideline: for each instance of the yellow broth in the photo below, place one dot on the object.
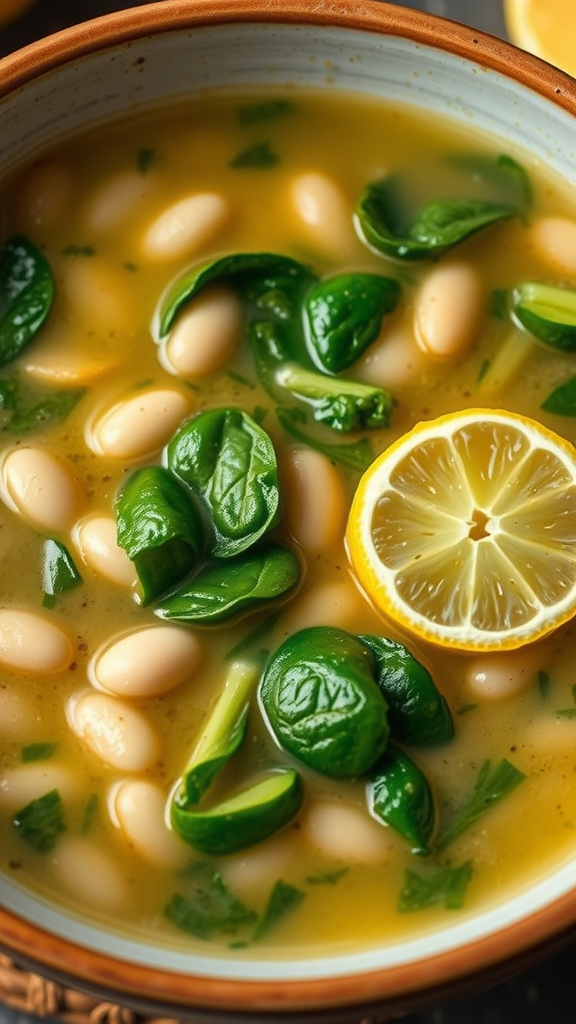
(107, 293)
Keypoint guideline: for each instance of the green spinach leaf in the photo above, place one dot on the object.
(41, 821)
(345, 314)
(26, 295)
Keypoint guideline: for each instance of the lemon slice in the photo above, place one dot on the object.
(544, 27)
(463, 532)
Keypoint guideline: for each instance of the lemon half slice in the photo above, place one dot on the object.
(544, 27)
(463, 532)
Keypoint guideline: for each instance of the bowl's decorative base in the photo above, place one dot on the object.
(30, 993)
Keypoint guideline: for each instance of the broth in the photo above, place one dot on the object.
(88, 206)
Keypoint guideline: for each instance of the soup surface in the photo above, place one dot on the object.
(106, 685)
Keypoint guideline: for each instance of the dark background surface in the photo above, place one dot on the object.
(544, 993)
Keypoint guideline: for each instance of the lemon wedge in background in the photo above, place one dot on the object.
(544, 27)
(463, 531)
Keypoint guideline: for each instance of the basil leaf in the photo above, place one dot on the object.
(345, 314)
(209, 907)
(562, 401)
(283, 899)
(26, 295)
(41, 821)
(159, 529)
(257, 156)
(59, 572)
(356, 455)
(223, 589)
(229, 463)
(435, 229)
(37, 752)
(446, 887)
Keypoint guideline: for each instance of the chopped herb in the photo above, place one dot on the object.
(90, 812)
(357, 455)
(257, 156)
(544, 684)
(128, 265)
(37, 752)
(446, 887)
(145, 158)
(568, 712)
(255, 112)
(210, 908)
(491, 785)
(59, 572)
(562, 401)
(499, 304)
(240, 379)
(484, 367)
(329, 878)
(79, 250)
(49, 410)
(283, 899)
(41, 821)
(466, 708)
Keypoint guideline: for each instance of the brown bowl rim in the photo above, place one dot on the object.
(398, 985)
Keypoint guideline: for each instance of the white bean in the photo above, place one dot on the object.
(326, 604)
(89, 874)
(115, 200)
(186, 226)
(205, 334)
(139, 807)
(41, 488)
(148, 662)
(324, 212)
(249, 871)
(120, 735)
(32, 643)
(44, 194)
(96, 538)
(498, 676)
(315, 503)
(346, 833)
(393, 360)
(554, 241)
(26, 782)
(56, 357)
(448, 310)
(140, 425)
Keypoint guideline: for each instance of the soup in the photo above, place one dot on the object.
(174, 516)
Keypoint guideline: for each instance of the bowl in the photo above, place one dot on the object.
(144, 60)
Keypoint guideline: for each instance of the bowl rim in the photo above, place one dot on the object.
(400, 985)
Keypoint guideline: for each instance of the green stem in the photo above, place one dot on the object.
(511, 355)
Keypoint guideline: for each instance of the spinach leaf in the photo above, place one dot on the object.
(400, 796)
(283, 899)
(357, 455)
(345, 314)
(229, 462)
(26, 295)
(562, 401)
(209, 908)
(491, 785)
(257, 156)
(507, 179)
(322, 701)
(222, 589)
(37, 752)
(59, 572)
(159, 528)
(446, 887)
(339, 403)
(41, 821)
(50, 409)
(434, 230)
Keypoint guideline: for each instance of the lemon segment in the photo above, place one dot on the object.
(463, 532)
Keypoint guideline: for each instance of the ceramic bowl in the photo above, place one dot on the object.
(162, 52)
